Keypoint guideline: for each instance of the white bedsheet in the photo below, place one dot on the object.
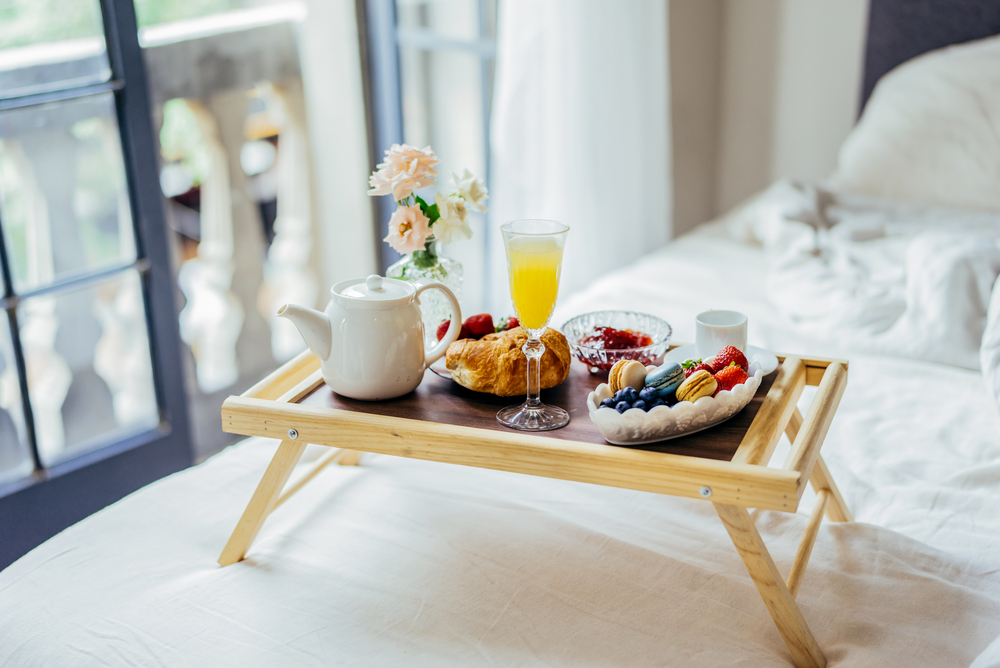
(409, 563)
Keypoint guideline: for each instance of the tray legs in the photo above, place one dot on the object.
(268, 495)
(262, 501)
(777, 598)
(820, 478)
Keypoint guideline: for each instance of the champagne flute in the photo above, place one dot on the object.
(534, 258)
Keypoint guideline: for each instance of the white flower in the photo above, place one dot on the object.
(405, 169)
(451, 225)
(471, 189)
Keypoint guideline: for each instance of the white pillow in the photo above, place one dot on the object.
(931, 131)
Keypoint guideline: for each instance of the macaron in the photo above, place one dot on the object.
(627, 373)
(697, 385)
(665, 379)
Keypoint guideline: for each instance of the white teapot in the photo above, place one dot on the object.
(370, 340)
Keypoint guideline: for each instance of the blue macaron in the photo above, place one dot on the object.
(666, 379)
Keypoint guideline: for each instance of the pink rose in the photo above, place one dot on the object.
(405, 169)
(408, 229)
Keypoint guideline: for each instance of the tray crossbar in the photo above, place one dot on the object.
(269, 409)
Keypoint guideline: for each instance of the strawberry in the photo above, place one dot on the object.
(730, 377)
(730, 355)
(507, 323)
(443, 329)
(691, 366)
(465, 333)
(479, 325)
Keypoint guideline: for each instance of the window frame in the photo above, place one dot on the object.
(381, 39)
(52, 498)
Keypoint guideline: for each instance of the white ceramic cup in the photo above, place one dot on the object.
(714, 330)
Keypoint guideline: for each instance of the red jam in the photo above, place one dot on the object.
(608, 338)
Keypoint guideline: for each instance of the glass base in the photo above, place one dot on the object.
(533, 418)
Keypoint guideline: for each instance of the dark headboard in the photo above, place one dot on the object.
(902, 29)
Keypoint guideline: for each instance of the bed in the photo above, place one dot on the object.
(401, 562)
(404, 562)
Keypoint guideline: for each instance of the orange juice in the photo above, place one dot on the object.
(534, 278)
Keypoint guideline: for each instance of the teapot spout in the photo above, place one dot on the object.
(313, 326)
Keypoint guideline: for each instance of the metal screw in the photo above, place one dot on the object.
(705, 491)
(292, 434)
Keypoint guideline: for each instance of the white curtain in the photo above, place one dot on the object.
(581, 132)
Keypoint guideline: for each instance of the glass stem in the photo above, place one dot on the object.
(533, 350)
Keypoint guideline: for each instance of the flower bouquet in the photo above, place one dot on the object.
(417, 227)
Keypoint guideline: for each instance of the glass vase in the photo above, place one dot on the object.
(430, 265)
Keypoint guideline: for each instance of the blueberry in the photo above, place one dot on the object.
(619, 396)
(608, 403)
(630, 394)
(641, 405)
(648, 394)
(657, 402)
(622, 406)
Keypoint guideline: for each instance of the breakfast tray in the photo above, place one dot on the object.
(441, 421)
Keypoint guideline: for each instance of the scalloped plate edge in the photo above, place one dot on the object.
(592, 408)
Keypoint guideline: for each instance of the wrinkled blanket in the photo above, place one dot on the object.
(882, 277)
(876, 276)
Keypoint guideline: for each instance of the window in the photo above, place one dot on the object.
(229, 101)
(431, 69)
(91, 395)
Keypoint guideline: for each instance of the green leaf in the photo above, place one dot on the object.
(430, 210)
(424, 260)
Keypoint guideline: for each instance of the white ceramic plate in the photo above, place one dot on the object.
(637, 427)
(439, 369)
(767, 361)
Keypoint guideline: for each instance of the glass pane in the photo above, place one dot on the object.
(443, 107)
(88, 363)
(63, 195)
(49, 44)
(153, 12)
(15, 459)
(457, 19)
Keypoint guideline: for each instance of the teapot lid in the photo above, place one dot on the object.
(374, 289)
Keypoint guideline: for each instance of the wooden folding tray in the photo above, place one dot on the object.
(444, 422)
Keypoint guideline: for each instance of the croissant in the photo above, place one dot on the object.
(496, 364)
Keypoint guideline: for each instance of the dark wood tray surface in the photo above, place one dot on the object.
(441, 400)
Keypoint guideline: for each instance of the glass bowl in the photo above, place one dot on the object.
(598, 359)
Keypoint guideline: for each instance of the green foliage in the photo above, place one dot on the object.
(26, 22)
(151, 12)
(180, 139)
(430, 210)
(426, 258)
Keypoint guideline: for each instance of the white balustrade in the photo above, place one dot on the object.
(121, 355)
(49, 377)
(288, 277)
(212, 319)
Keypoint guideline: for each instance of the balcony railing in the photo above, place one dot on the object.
(235, 280)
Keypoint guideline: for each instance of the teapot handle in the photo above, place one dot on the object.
(437, 352)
